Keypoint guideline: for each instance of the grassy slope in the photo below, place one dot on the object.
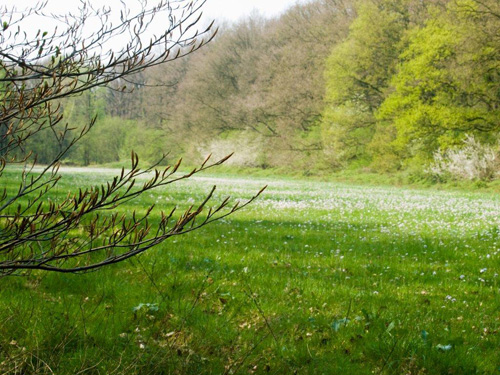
(314, 278)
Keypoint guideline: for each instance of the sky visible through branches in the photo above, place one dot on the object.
(229, 10)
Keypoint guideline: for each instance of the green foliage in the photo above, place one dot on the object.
(47, 144)
(446, 87)
(149, 144)
(385, 156)
(357, 75)
(110, 139)
(408, 81)
(105, 143)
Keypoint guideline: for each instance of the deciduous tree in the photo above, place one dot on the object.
(448, 83)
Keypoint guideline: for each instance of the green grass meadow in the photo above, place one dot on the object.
(312, 278)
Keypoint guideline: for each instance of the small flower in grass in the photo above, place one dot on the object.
(483, 270)
(462, 277)
(443, 348)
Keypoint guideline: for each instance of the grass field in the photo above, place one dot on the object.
(313, 278)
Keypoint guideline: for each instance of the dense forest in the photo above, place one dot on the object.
(374, 85)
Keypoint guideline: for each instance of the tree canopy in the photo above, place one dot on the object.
(328, 85)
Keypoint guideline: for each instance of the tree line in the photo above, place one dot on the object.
(382, 85)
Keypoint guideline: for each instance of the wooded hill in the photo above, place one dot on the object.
(381, 85)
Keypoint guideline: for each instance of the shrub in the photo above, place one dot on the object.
(473, 161)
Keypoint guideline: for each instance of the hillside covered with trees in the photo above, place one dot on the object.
(376, 85)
